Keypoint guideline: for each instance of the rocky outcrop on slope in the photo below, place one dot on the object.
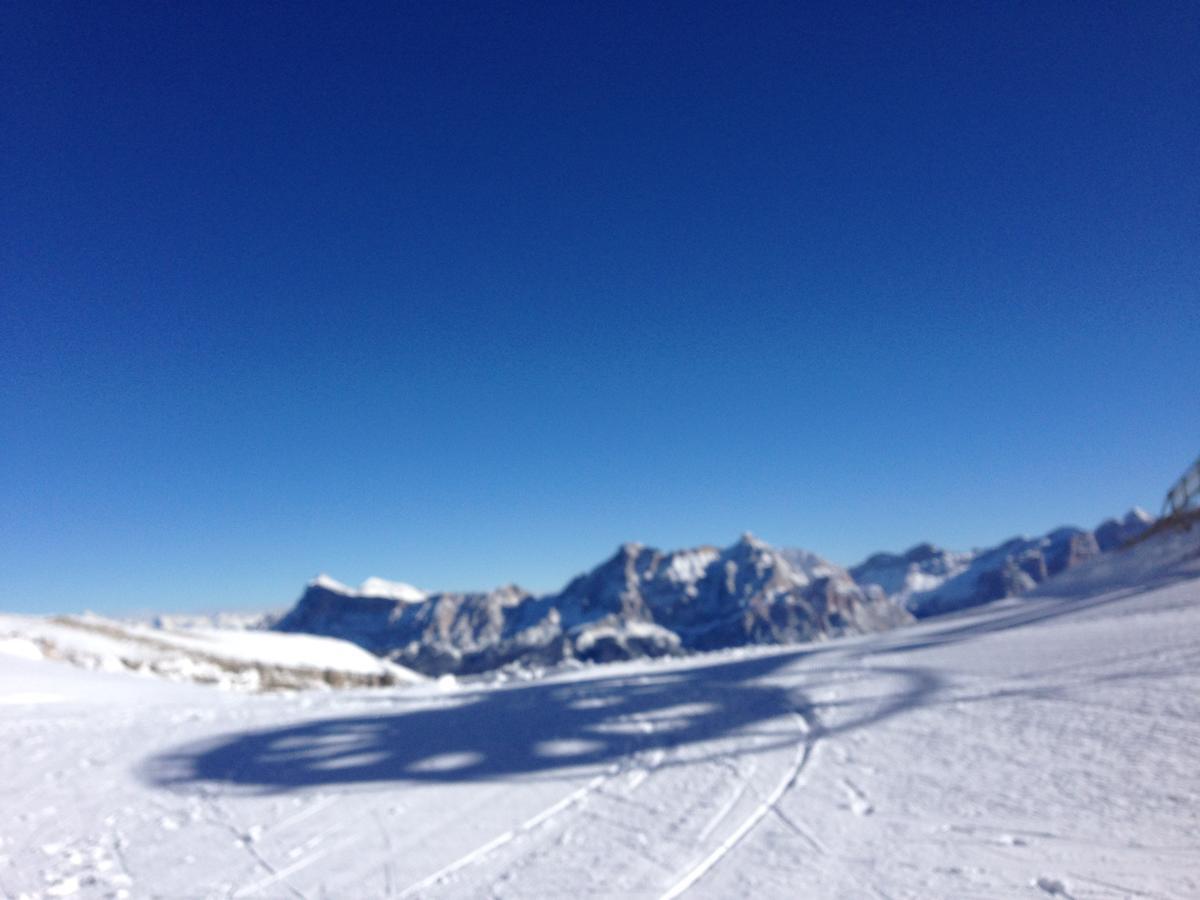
(640, 602)
(443, 632)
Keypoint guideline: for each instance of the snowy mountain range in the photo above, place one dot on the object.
(645, 602)
(929, 580)
(640, 602)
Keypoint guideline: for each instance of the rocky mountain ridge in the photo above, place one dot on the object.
(640, 602)
(929, 580)
(647, 602)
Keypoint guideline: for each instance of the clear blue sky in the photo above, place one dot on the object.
(464, 295)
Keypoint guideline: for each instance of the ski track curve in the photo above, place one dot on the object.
(728, 806)
(652, 761)
(572, 799)
(508, 836)
(714, 858)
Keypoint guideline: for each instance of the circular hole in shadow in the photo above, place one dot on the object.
(446, 762)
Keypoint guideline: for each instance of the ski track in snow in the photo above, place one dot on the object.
(700, 869)
(501, 839)
(521, 877)
(576, 797)
(722, 813)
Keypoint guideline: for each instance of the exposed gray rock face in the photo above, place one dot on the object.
(647, 602)
(445, 632)
(640, 602)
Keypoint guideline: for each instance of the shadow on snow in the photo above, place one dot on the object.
(543, 729)
(526, 730)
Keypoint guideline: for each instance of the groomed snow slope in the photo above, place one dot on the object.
(1036, 748)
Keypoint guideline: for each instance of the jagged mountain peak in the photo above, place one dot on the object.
(750, 550)
(640, 601)
(923, 552)
(1113, 534)
(647, 601)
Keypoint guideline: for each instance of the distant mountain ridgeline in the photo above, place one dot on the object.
(929, 580)
(641, 602)
(647, 602)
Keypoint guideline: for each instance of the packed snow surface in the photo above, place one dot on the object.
(1041, 747)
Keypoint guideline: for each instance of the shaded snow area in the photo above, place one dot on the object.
(1034, 748)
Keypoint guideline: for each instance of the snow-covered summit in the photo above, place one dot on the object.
(1138, 516)
(1114, 533)
(373, 587)
(392, 590)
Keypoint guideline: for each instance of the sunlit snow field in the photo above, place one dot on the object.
(1038, 747)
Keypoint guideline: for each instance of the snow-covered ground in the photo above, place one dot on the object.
(232, 658)
(1041, 747)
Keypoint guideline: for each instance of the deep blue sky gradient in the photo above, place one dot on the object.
(467, 294)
